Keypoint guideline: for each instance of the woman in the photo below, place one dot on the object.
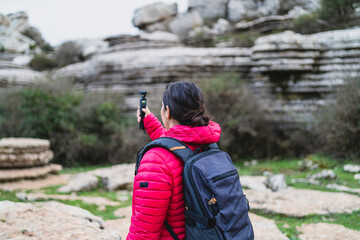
(158, 191)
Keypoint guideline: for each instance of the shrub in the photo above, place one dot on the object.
(339, 122)
(83, 129)
(247, 129)
(67, 53)
(337, 13)
(41, 63)
(309, 23)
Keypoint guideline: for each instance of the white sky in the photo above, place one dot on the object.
(60, 20)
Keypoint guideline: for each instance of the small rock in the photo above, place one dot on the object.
(159, 36)
(352, 168)
(297, 12)
(324, 174)
(80, 182)
(276, 182)
(308, 180)
(267, 173)
(222, 26)
(123, 198)
(341, 188)
(357, 176)
(101, 208)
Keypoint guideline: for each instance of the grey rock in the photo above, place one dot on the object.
(51, 220)
(352, 168)
(357, 176)
(13, 41)
(253, 182)
(209, 9)
(324, 174)
(342, 188)
(309, 5)
(222, 26)
(185, 22)
(34, 34)
(297, 12)
(27, 173)
(251, 9)
(153, 13)
(22, 60)
(276, 182)
(159, 36)
(18, 21)
(80, 182)
(266, 24)
(4, 20)
(306, 180)
(159, 26)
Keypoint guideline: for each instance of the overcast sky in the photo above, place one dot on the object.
(60, 20)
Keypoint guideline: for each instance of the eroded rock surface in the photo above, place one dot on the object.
(302, 202)
(327, 231)
(265, 229)
(50, 220)
(25, 173)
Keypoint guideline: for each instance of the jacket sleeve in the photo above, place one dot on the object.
(153, 187)
(153, 127)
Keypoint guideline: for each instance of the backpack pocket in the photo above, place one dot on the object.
(196, 233)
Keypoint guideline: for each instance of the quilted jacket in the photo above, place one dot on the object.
(158, 190)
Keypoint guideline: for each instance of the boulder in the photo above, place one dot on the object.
(309, 5)
(297, 12)
(17, 76)
(27, 173)
(276, 182)
(185, 22)
(80, 182)
(153, 13)
(13, 41)
(34, 34)
(159, 36)
(222, 26)
(253, 182)
(357, 176)
(352, 168)
(4, 20)
(159, 26)
(18, 21)
(51, 220)
(251, 9)
(209, 9)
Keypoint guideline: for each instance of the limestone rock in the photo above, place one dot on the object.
(25, 159)
(357, 176)
(276, 182)
(51, 220)
(153, 13)
(123, 223)
(159, 26)
(80, 182)
(324, 174)
(159, 36)
(253, 182)
(251, 9)
(34, 34)
(265, 229)
(306, 180)
(209, 9)
(266, 24)
(222, 26)
(183, 23)
(341, 188)
(302, 202)
(18, 21)
(19, 77)
(13, 41)
(4, 20)
(22, 60)
(327, 231)
(23, 145)
(27, 173)
(297, 12)
(30, 184)
(352, 168)
(309, 5)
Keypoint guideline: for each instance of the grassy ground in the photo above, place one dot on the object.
(291, 168)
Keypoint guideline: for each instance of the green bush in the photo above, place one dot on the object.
(41, 63)
(309, 23)
(247, 130)
(83, 129)
(339, 122)
(337, 13)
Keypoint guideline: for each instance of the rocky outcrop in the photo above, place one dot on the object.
(51, 220)
(209, 9)
(153, 13)
(252, 9)
(183, 23)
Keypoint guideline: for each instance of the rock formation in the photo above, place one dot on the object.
(25, 158)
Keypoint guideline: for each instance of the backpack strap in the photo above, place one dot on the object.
(175, 146)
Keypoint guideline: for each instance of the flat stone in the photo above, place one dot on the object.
(265, 229)
(80, 182)
(342, 188)
(302, 202)
(49, 180)
(28, 145)
(327, 231)
(86, 199)
(253, 182)
(51, 220)
(24, 173)
(25, 159)
(160, 36)
(324, 174)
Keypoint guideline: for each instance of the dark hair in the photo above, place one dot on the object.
(186, 104)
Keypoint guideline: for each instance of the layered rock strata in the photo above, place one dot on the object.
(25, 158)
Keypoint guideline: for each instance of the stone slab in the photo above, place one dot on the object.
(30, 184)
(265, 229)
(24, 173)
(302, 202)
(327, 231)
(25, 159)
(51, 220)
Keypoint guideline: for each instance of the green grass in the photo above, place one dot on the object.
(75, 170)
(8, 195)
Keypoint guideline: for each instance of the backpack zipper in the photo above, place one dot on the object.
(225, 175)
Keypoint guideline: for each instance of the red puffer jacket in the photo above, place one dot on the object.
(158, 190)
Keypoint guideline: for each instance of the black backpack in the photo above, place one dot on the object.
(215, 206)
